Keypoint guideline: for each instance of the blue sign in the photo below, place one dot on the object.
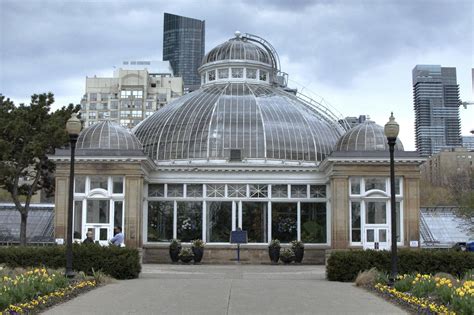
(238, 237)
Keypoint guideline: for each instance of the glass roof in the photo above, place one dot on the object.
(107, 135)
(238, 49)
(263, 122)
(367, 136)
(40, 224)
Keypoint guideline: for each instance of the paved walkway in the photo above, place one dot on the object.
(228, 289)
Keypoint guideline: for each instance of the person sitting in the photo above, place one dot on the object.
(89, 238)
(118, 238)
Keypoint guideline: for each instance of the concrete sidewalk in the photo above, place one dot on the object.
(228, 289)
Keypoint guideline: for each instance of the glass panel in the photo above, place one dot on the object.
(118, 213)
(219, 221)
(313, 222)
(156, 190)
(160, 221)
(397, 185)
(254, 221)
(189, 221)
(211, 75)
(263, 75)
(216, 190)
(370, 235)
(251, 73)
(223, 73)
(103, 234)
(317, 191)
(236, 190)
(98, 182)
(77, 219)
(376, 212)
(117, 185)
(299, 191)
(258, 191)
(80, 184)
(279, 191)
(355, 221)
(355, 186)
(375, 183)
(98, 211)
(382, 235)
(175, 190)
(194, 191)
(237, 73)
(284, 221)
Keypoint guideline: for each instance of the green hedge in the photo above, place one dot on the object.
(345, 265)
(120, 263)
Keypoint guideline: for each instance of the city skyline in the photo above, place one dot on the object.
(355, 68)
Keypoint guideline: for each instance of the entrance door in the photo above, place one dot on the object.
(376, 238)
(101, 233)
(99, 220)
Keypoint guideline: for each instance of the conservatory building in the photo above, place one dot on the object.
(245, 152)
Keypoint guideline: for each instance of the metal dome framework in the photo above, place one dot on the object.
(263, 122)
(107, 135)
(367, 136)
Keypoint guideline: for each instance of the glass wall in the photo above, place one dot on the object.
(278, 211)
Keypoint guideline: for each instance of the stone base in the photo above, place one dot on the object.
(159, 254)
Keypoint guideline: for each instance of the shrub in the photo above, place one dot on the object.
(119, 263)
(345, 265)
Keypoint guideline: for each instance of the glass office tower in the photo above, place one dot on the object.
(436, 104)
(183, 46)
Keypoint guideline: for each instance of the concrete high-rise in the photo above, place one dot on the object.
(436, 103)
(183, 46)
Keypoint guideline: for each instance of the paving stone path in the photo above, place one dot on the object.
(228, 289)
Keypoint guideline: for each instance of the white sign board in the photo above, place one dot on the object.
(413, 243)
(60, 241)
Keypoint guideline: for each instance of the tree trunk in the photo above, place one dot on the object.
(24, 219)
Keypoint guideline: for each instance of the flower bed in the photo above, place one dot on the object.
(432, 294)
(37, 288)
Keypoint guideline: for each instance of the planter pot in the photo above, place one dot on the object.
(299, 253)
(174, 254)
(286, 260)
(274, 253)
(186, 259)
(198, 253)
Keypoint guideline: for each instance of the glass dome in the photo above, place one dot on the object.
(259, 121)
(238, 48)
(367, 136)
(107, 135)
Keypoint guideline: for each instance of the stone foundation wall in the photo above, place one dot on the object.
(227, 255)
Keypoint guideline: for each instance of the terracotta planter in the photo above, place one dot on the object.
(198, 253)
(274, 253)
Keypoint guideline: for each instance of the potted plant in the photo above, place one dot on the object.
(287, 255)
(298, 249)
(274, 251)
(186, 255)
(198, 250)
(175, 248)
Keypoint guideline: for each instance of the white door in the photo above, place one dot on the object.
(376, 238)
(100, 233)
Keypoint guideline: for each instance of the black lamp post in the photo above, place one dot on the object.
(391, 132)
(73, 127)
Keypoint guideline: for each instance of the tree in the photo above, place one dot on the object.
(28, 135)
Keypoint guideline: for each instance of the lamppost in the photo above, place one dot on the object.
(73, 127)
(391, 132)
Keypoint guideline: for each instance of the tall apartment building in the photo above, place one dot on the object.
(136, 90)
(436, 103)
(183, 46)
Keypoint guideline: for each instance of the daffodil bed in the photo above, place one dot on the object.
(427, 294)
(36, 289)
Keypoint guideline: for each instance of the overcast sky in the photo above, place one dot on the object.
(357, 55)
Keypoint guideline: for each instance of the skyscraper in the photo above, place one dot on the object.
(183, 46)
(436, 104)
